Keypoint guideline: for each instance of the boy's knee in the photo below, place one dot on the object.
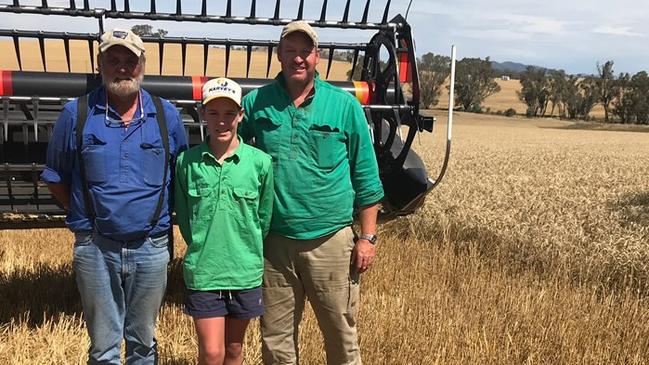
(212, 355)
(234, 350)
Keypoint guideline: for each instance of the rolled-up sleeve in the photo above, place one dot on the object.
(362, 161)
(61, 149)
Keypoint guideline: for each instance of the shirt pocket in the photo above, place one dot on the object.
(201, 202)
(267, 137)
(329, 148)
(152, 162)
(245, 203)
(94, 159)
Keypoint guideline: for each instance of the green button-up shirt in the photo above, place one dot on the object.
(223, 211)
(323, 158)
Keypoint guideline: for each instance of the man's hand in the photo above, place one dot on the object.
(363, 255)
(61, 193)
(364, 251)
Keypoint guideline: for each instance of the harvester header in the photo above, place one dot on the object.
(51, 67)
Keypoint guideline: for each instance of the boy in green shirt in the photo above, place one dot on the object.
(224, 201)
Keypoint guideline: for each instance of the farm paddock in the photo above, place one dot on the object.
(534, 249)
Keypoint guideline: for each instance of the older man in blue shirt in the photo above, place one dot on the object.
(109, 164)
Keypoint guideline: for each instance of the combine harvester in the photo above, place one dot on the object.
(388, 89)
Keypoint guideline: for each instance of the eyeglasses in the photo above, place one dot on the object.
(114, 123)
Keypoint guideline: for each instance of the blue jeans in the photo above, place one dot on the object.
(122, 285)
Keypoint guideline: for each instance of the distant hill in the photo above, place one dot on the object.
(508, 66)
(512, 69)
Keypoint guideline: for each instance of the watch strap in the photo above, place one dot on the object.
(372, 238)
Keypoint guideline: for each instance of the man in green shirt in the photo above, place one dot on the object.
(224, 201)
(324, 167)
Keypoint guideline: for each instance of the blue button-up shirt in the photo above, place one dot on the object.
(124, 166)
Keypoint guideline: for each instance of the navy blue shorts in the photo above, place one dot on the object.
(236, 304)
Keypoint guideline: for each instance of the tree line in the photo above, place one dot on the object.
(544, 92)
(474, 80)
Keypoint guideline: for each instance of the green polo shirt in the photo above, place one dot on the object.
(223, 211)
(323, 158)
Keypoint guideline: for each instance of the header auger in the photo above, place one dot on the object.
(388, 88)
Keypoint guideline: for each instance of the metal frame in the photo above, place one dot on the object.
(28, 115)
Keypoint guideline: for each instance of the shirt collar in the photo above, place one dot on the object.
(206, 152)
(316, 83)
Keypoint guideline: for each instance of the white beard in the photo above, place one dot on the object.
(124, 88)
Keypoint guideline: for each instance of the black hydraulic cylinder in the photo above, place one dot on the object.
(60, 84)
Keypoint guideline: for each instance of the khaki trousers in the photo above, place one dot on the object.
(320, 270)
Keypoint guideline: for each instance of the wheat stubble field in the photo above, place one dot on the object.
(533, 250)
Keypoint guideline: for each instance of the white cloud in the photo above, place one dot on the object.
(537, 25)
(494, 35)
(617, 31)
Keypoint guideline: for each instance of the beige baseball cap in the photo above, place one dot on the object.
(121, 37)
(300, 26)
(221, 87)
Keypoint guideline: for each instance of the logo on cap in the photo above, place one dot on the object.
(221, 85)
(120, 34)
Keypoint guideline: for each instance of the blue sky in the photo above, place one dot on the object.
(572, 35)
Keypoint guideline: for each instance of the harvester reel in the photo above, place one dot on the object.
(32, 100)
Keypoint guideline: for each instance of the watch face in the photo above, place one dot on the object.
(370, 237)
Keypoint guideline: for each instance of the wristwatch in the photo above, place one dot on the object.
(369, 237)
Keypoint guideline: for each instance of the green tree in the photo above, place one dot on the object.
(145, 30)
(474, 82)
(433, 72)
(558, 91)
(623, 105)
(581, 96)
(606, 89)
(632, 105)
(635, 98)
(535, 90)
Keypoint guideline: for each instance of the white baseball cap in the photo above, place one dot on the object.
(121, 37)
(221, 87)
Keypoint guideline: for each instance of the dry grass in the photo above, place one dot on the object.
(80, 60)
(505, 99)
(533, 250)
(508, 98)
